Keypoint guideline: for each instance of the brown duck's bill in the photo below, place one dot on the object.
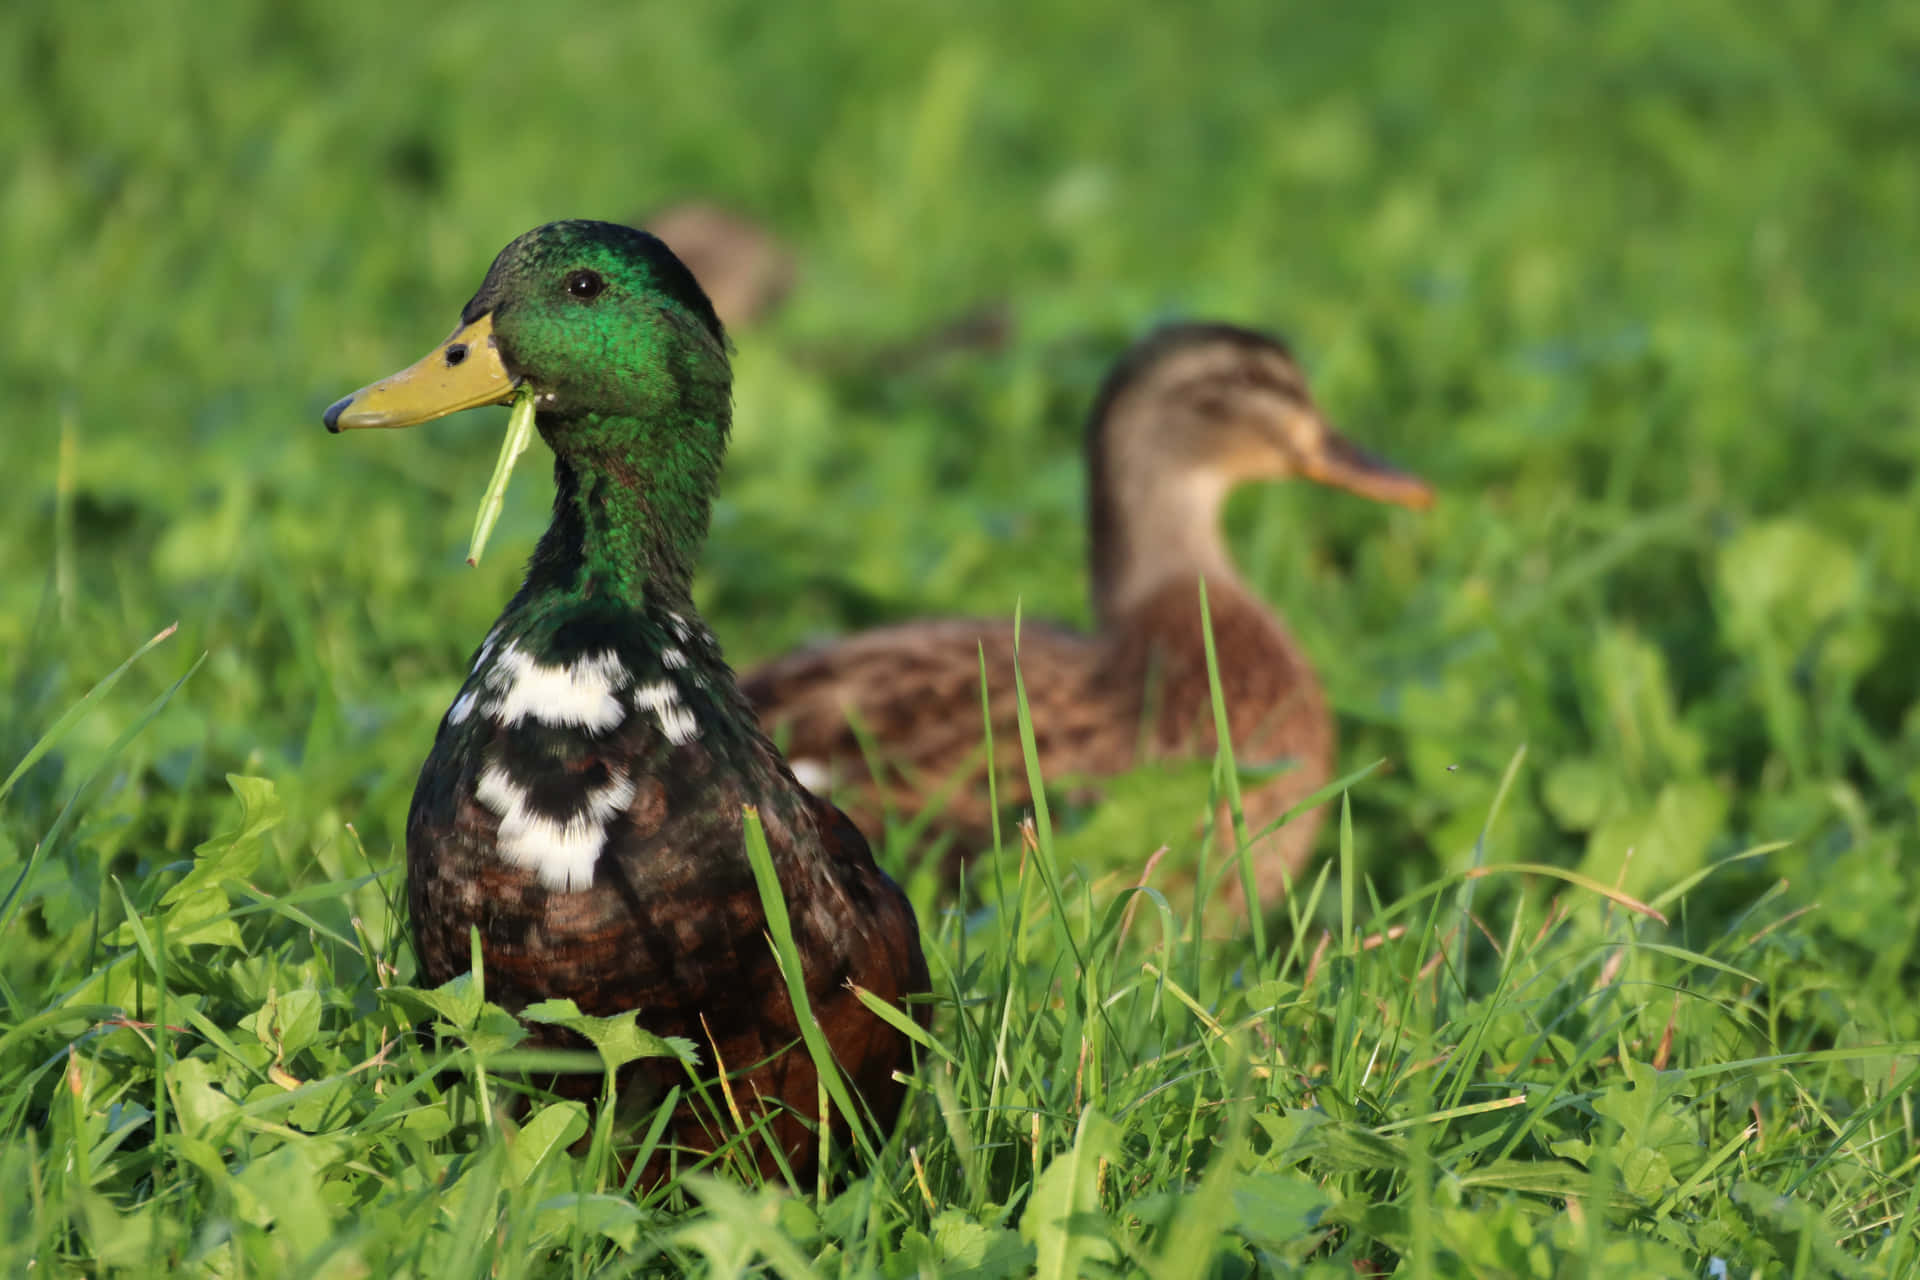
(463, 372)
(1343, 464)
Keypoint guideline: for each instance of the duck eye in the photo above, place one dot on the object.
(585, 285)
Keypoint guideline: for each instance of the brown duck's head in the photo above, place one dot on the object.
(1185, 416)
(744, 267)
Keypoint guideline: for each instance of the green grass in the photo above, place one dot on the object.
(1631, 284)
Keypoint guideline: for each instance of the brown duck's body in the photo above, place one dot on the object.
(1101, 704)
(1188, 414)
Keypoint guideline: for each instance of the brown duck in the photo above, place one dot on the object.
(747, 272)
(582, 806)
(1188, 414)
(745, 269)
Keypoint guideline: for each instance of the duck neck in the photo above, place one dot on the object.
(623, 531)
(1153, 522)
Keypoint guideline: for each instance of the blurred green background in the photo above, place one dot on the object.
(1632, 284)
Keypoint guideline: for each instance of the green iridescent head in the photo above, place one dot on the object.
(626, 364)
(599, 320)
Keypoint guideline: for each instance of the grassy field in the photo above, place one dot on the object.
(1634, 285)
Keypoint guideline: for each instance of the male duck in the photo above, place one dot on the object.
(1188, 414)
(582, 803)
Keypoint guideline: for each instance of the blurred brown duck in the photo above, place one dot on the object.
(1187, 415)
(748, 272)
(744, 268)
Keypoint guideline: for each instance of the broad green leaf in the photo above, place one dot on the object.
(282, 1190)
(494, 1031)
(200, 1106)
(740, 1225)
(978, 1250)
(322, 1105)
(201, 920)
(1343, 1146)
(431, 1123)
(1273, 1209)
(1062, 1221)
(456, 1001)
(619, 1039)
(233, 854)
(127, 1239)
(615, 1217)
(1583, 792)
(1644, 852)
(1790, 574)
(554, 1126)
(1645, 1173)
(297, 1020)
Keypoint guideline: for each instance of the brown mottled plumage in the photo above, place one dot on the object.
(673, 926)
(1188, 414)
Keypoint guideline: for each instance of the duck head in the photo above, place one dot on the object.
(627, 363)
(1187, 415)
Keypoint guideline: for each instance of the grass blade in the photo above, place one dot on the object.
(519, 436)
(73, 713)
(59, 827)
(773, 900)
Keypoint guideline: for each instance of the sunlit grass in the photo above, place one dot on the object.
(1606, 966)
(239, 1084)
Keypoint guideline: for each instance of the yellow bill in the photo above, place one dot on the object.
(464, 372)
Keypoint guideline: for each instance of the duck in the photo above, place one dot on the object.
(746, 270)
(749, 272)
(583, 803)
(890, 719)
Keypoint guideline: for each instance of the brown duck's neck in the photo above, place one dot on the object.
(1153, 522)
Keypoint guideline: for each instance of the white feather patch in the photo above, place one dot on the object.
(580, 693)
(462, 708)
(486, 650)
(663, 699)
(560, 854)
(813, 775)
(672, 659)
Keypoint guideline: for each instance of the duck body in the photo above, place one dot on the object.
(1187, 415)
(576, 815)
(1102, 704)
(582, 806)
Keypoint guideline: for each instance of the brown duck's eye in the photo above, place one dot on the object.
(585, 285)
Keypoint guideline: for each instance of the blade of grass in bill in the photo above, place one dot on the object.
(519, 436)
